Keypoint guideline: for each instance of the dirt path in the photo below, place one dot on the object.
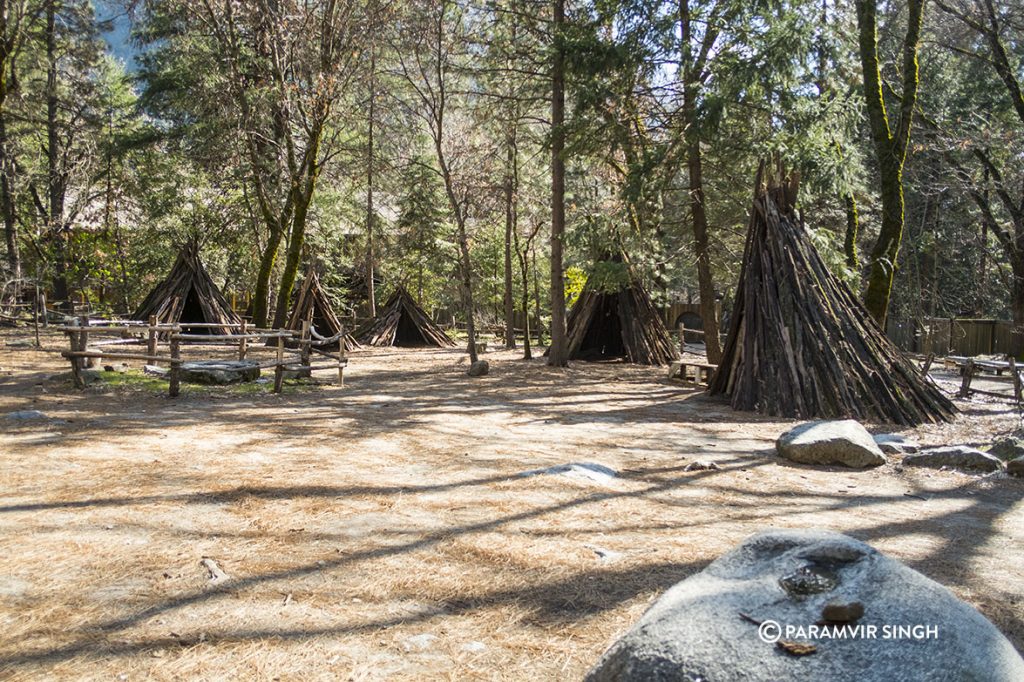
(383, 530)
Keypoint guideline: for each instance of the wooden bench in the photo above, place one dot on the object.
(702, 372)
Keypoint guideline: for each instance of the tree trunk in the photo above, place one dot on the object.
(558, 352)
(55, 182)
(261, 295)
(852, 229)
(705, 279)
(371, 294)
(890, 146)
(510, 226)
(7, 205)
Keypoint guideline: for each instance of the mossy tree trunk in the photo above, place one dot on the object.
(890, 139)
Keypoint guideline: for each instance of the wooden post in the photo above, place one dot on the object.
(151, 342)
(279, 367)
(341, 358)
(682, 339)
(83, 340)
(76, 372)
(1018, 388)
(175, 376)
(35, 324)
(965, 385)
(305, 342)
(46, 322)
(243, 344)
(927, 367)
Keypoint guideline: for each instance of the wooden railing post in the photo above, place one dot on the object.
(76, 372)
(83, 340)
(46, 323)
(175, 375)
(1018, 388)
(305, 343)
(965, 385)
(151, 342)
(35, 324)
(279, 367)
(243, 343)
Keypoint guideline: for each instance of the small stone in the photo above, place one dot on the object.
(702, 465)
(154, 370)
(26, 415)
(479, 368)
(840, 612)
(473, 647)
(895, 444)
(419, 642)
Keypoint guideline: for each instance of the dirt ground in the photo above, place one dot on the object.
(384, 529)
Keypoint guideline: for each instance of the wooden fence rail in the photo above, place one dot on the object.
(80, 351)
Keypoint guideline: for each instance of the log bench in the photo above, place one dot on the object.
(702, 372)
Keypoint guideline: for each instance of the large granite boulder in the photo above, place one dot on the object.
(220, 372)
(959, 457)
(809, 605)
(843, 442)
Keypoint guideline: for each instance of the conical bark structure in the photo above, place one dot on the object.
(401, 322)
(313, 303)
(802, 345)
(618, 324)
(188, 294)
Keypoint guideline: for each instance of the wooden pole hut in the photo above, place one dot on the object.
(401, 322)
(800, 342)
(314, 305)
(614, 319)
(188, 294)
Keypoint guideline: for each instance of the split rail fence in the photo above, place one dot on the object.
(155, 336)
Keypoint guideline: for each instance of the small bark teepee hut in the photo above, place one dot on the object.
(312, 303)
(616, 319)
(188, 294)
(801, 344)
(403, 323)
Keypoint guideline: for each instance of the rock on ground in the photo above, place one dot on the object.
(959, 457)
(1015, 467)
(895, 444)
(843, 442)
(219, 372)
(1010, 447)
(705, 628)
(479, 368)
(26, 415)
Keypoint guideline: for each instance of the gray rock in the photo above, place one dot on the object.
(1015, 467)
(702, 465)
(220, 372)
(119, 368)
(705, 628)
(1010, 447)
(843, 442)
(89, 376)
(895, 444)
(959, 457)
(20, 343)
(479, 368)
(26, 415)
(155, 371)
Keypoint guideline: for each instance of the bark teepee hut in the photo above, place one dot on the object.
(403, 323)
(312, 303)
(614, 318)
(186, 295)
(801, 344)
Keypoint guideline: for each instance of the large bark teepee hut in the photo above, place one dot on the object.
(801, 344)
(614, 318)
(403, 323)
(312, 303)
(186, 295)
